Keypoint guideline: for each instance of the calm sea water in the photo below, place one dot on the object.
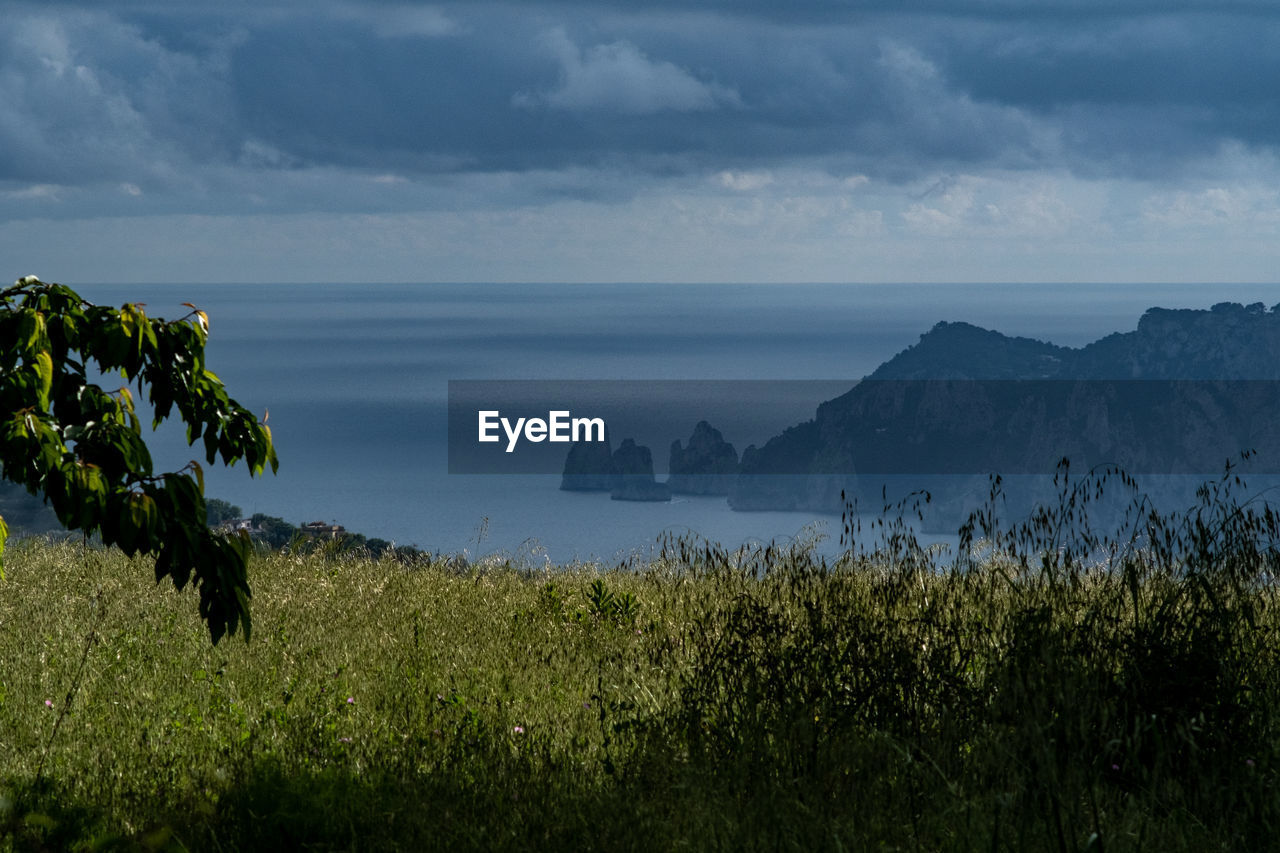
(355, 380)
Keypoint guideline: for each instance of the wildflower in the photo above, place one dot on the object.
(1249, 761)
(1115, 766)
(48, 703)
(518, 730)
(344, 740)
(351, 700)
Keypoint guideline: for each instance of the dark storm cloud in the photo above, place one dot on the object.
(200, 103)
(795, 10)
(523, 97)
(83, 96)
(1122, 91)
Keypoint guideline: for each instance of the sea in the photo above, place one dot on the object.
(353, 380)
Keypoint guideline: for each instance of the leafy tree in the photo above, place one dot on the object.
(273, 530)
(80, 447)
(217, 511)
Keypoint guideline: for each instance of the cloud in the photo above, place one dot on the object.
(744, 181)
(948, 211)
(1005, 206)
(34, 191)
(807, 225)
(619, 77)
(396, 20)
(928, 118)
(1244, 208)
(1061, 119)
(1132, 94)
(86, 98)
(174, 95)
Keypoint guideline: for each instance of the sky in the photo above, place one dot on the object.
(645, 140)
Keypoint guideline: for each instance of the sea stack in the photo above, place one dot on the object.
(589, 467)
(633, 468)
(707, 466)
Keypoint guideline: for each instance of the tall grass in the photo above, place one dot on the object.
(1047, 689)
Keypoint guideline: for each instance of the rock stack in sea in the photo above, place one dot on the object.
(627, 473)
(707, 466)
(589, 467)
(633, 470)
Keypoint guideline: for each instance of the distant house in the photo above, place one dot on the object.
(323, 530)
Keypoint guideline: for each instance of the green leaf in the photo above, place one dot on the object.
(43, 365)
(32, 331)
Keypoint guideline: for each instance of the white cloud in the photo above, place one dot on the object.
(934, 118)
(51, 192)
(256, 154)
(909, 66)
(619, 77)
(862, 223)
(946, 214)
(399, 21)
(744, 181)
(1033, 208)
(1002, 206)
(1214, 206)
(88, 99)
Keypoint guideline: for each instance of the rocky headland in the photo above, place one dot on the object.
(1173, 396)
(1181, 394)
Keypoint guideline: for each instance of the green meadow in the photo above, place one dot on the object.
(1028, 695)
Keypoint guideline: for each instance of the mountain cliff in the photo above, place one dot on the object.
(1227, 341)
(1166, 397)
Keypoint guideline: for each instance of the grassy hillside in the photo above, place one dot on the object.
(708, 700)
